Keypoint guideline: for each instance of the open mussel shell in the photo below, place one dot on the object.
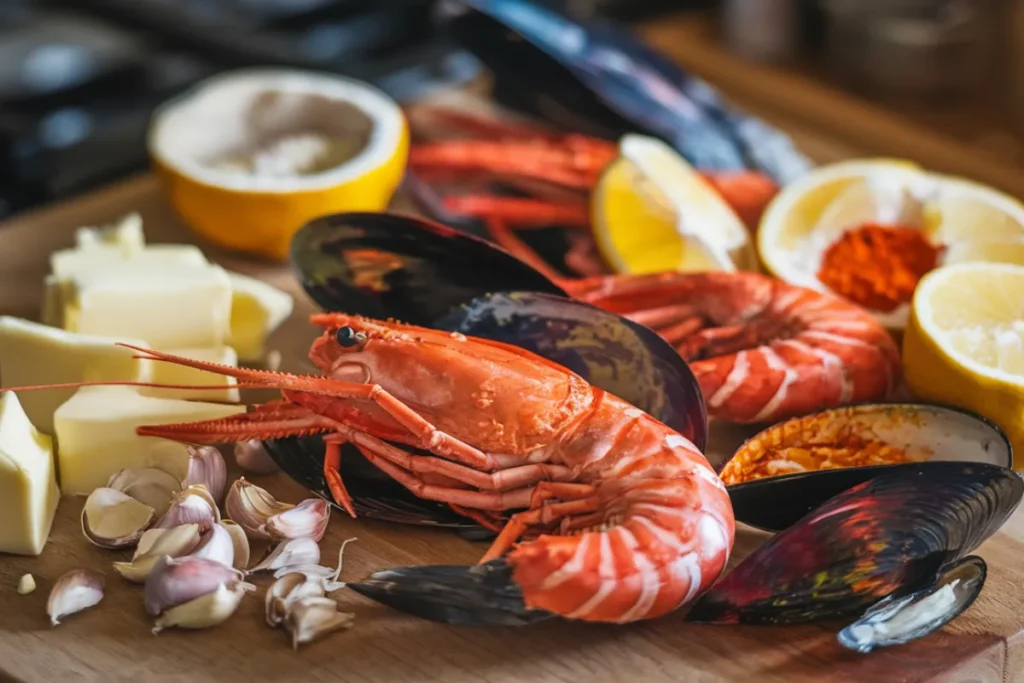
(891, 534)
(597, 79)
(783, 472)
(898, 620)
(385, 265)
(612, 353)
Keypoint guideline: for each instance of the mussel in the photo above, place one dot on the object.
(597, 79)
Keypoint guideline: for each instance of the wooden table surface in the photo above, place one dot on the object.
(112, 642)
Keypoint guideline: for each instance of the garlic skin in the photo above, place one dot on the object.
(252, 457)
(308, 519)
(194, 505)
(148, 485)
(155, 544)
(76, 590)
(206, 466)
(113, 519)
(289, 553)
(240, 541)
(175, 581)
(26, 584)
(311, 618)
(207, 610)
(216, 544)
(251, 506)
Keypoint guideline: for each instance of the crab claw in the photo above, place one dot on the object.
(479, 595)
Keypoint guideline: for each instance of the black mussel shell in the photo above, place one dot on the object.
(612, 353)
(898, 620)
(596, 78)
(385, 265)
(923, 432)
(890, 534)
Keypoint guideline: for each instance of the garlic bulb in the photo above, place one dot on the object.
(194, 505)
(206, 466)
(76, 590)
(175, 581)
(207, 610)
(156, 544)
(112, 519)
(252, 457)
(148, 485)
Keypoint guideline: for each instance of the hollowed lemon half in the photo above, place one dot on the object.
(247, 157)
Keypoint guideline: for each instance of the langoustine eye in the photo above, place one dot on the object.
(347, 337)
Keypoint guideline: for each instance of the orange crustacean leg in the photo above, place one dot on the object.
(524, 213)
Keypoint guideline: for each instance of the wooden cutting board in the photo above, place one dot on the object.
(112, 642)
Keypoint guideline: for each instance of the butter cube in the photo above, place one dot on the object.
(170, 307)
(95, 429)
(28, 489)
(67, 263)
(257, 309)
(168, 373)
(32, 354)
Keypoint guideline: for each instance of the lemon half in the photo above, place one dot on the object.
(654, 212)
(247, 157)
(964, 344)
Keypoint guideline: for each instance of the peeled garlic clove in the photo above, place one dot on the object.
(194, 505)
(308, 519)
(252, 457)
(206, 466)
(294, 551)
(73, 592)
(175, 581)
(251, 506)
(240, 542)
(148, 485)
(112, 519)
(216, 545)
(312, 618)
(174, 542)
(26, 584)
(207, 610)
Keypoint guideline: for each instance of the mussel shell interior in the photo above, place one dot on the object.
(384, 265)
(610, 352)
(899, 620)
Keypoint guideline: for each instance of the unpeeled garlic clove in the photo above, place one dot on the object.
(311, 618)
(205, 611)
(288, 553)
(194, 505)
(252, 457)
(286, 590)
(206, 466)
(175, 581)
(216, 544)
(240, 542)
(308, 519)
(174, 542)
(113, 519)
(148, 485)
(76, 590)
(251, 506)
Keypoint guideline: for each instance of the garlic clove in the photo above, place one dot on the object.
(252, 457)
(251, 506)
(240, 541)
(309, 570)
(206, 466)
(76, 590)
(294, 551)
(174, 542)
(112, 519)
(26, 584)
(148, 485)
(194, 505)
(216, 544)
(311, 618)
(308, 519)
(175, 581)
(276, 599)
(207, 610)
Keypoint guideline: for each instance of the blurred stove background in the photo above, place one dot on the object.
(78, 78)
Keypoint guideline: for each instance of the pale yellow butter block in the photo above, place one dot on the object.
(53, 302)
(68, 263)
(32, 354)
(28, 488)
(169, 373)
(171, 307)
(95, 431)
(257, 309)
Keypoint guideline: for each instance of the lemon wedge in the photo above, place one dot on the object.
(654, 212)
(971, 221)
(964, 344)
